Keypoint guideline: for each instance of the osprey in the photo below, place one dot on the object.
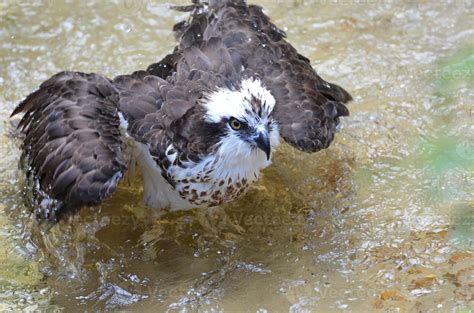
(204, 120)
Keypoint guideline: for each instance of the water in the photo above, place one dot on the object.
(381, 220)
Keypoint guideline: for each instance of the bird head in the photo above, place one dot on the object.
(246, 114)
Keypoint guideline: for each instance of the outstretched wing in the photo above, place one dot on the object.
(72, 146)
(307, 107)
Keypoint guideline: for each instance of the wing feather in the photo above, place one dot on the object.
(231, 37)
(72, 146)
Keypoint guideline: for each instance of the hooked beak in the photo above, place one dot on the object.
(263, 143)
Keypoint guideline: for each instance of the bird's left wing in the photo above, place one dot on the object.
(72, 146)
(307, 107)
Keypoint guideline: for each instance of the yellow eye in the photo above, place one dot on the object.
(235, 124)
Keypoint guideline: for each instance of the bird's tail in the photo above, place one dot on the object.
(72, 149)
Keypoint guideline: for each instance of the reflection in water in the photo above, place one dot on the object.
(381, 220)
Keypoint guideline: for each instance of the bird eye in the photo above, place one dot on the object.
(235, 123)
(270, 121)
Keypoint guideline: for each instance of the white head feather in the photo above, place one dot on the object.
(224, 104)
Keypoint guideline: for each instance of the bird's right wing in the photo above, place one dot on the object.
(72, 148)
(162, 112)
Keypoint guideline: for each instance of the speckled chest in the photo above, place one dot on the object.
(211, 192)
(204, 181)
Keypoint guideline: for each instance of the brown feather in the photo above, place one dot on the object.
(67, 119)
(241, 38)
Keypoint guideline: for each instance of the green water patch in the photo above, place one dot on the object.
(446, 153)
(453, 111)
(455, 72)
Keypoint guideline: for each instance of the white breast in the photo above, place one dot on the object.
(214, 180)
(218, 178)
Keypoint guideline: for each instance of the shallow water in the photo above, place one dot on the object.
(382, 220)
